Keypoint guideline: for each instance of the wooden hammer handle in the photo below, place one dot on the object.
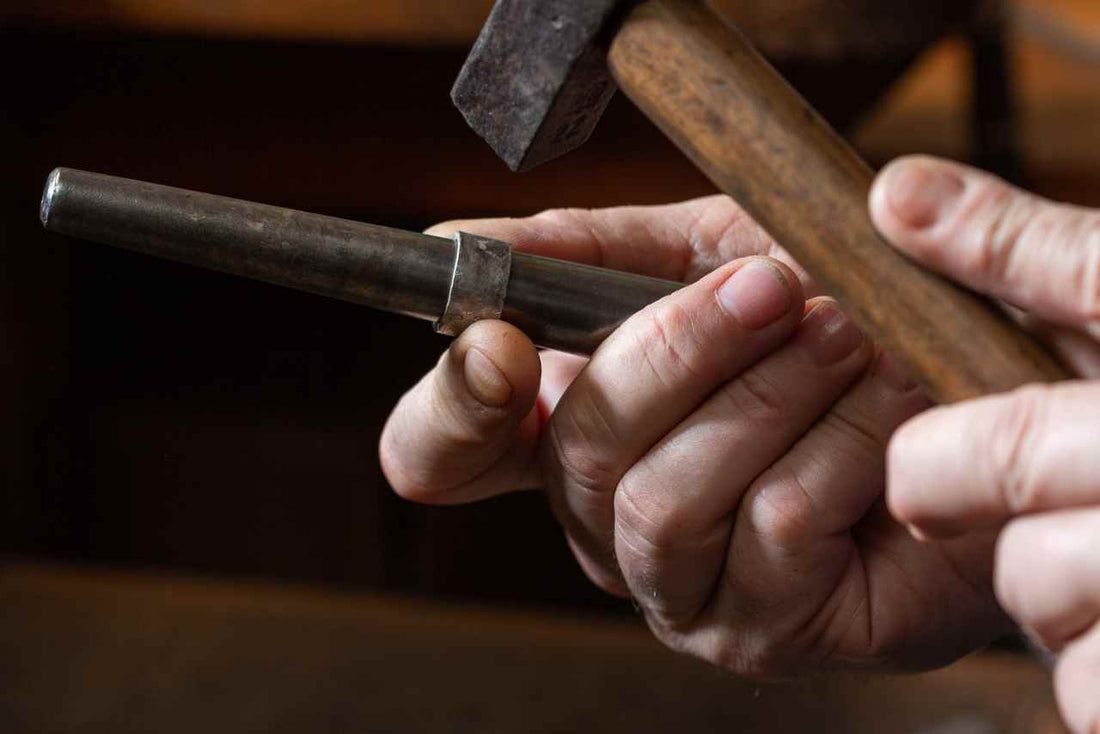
(698, 79)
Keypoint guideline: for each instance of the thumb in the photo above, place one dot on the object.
(975, 228)
(468, 429)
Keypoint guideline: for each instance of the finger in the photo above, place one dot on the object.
(1075, 682)
(797, 521)
(647, 377)
(830, 479)
(674, 508)
(467, 429)
(982, 462)
(559, 369)
(1078, 351)
(1048, 574)
(1048, 579)
(681, 242)
(1038, 255)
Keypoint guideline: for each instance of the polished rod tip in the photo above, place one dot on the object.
(53, 183)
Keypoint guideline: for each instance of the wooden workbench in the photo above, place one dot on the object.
(93, 652)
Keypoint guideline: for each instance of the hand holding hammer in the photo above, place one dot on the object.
(542, 72)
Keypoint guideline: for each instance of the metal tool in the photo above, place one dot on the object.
(452, 282)
(542, 71)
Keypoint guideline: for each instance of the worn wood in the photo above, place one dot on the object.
(751, 133)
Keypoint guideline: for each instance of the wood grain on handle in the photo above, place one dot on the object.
(760, 142)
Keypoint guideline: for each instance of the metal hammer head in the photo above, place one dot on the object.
(536, 81)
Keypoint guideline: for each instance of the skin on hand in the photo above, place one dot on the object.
(1028, 461)
(720, 458)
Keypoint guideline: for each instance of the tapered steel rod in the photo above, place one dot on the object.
(558, 304)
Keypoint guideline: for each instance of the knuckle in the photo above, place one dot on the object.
(1066, 241)
(587, 470)
(722, 231)
(656, 532)
(581, 222)
(1085, 274)
(563, 216)
(1008, 215)
(646, 543)
(657, 539)
(1015, 229)
(1013, 437)
(574, 441)
(642, 524)
(758, 398)
(669, 345)
(859, 432)
(780, 509)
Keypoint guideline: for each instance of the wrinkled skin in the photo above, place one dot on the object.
(722, 458)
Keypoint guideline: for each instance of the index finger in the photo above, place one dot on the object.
(681, 242)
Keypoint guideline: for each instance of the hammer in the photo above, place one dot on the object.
(542, 72)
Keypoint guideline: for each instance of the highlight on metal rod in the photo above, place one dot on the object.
(47, 197)
(559, 304)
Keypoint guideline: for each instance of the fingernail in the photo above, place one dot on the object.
(829, 334)
(756, 295)
(485, 380)
(921, 194)
(891, 371)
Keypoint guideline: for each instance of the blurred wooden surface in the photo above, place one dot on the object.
(106, 652)
(794, 28)
(371, 21)
(1057, 93)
